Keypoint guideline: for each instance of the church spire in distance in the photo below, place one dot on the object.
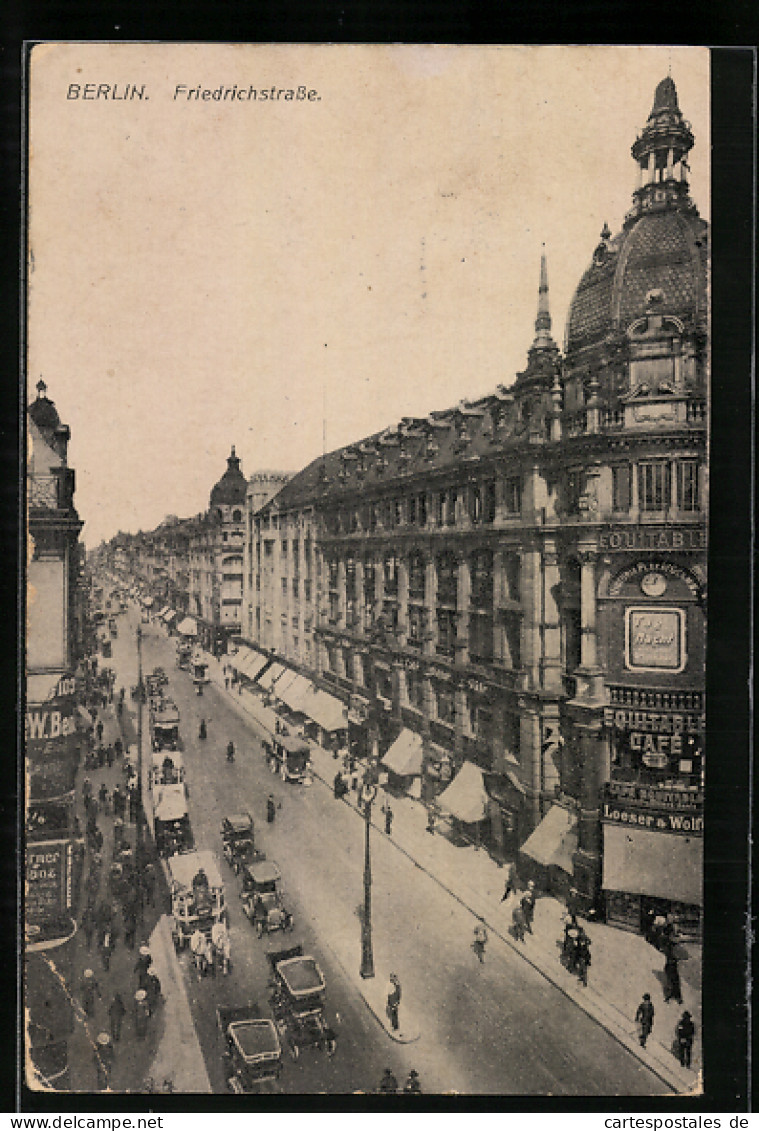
(543, 339)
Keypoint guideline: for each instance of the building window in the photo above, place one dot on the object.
(412, 511)
(621, 486)
(422, 510)
(512, 630)
(574, 487)
(348, 664)
(307, 590)
(512, 494)
(488, 501)
(447, 579)
(481, 572)
(445, 705)
(475, 504)
(653, 485)
(414, 690)
(687, 485)
(284, 547)
(416, 626)
(236, 516)
(295, 587)
(284, 586)
(398, 512)
(333, 575)
(446, 632)
(416, 576)
(481, 638)
(391, 575)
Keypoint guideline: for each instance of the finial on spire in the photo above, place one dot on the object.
(41, 389)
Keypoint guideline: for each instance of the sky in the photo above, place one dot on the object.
(283, 274)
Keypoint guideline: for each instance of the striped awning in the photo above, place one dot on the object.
(404, 757)
(324, 709)
(294, 693)
(269, 677)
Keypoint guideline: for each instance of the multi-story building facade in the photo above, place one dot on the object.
(520, 579)
(54, 637)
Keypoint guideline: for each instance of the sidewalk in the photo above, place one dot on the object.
(170, 1051)
(624, 965)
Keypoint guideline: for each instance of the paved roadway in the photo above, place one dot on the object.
(497, 1028)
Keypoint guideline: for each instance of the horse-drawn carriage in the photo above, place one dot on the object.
(164, 723)
(197, 896)
(297, 1000)
(253, 1052)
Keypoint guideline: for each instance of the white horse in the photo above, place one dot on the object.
(222, 945)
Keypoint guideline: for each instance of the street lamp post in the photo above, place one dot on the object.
(368, 794)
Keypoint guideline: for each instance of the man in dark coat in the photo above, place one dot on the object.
(685, 1033)
(512, 882)
(388, 819)
(644, 1019)
(116, 1013)
(672, 979)
(271, 809)
(527, 904)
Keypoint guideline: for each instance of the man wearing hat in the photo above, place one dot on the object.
(645, 1019)
(412, 1085)
(393, 1001)
(103, 1060)
(89, 989)
(527, 904)
(152, 988)
(142, 965)
(141, 1014)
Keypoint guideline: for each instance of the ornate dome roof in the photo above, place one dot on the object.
(231, 489)
(43, 412)
(667, 251)
(663, 245)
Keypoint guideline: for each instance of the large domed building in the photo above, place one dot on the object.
(510, 593)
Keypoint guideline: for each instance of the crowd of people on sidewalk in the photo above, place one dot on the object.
(119, 889)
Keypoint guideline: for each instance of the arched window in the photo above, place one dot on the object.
(237, 516)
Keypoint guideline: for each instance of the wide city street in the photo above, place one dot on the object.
(491, 1028)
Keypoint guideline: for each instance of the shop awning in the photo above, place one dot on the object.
(404, 757)
(294, 692)
(269, 677)
(664, 865)
(505, 789)
(324, 709)
(187, 627)
(465, 798)
(248, 662)
(85, 715)
(554, 841)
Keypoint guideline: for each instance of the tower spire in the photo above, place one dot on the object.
(543, 339)
(661, 151)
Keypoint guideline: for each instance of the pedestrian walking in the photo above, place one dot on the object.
(103, 1057)
(512, 882)
(388, 819)
(518, 923)
(684, 1036)
(141, 1014)
(107, 946)
(527, 903)
(110, 754)
(86, 791)
(413, 1086)
(431, 819)
(103, 797)
(143, 964)
(393, 1004)
(118, 801)
(118, 746)
(148, 884)
(644, 1019)
(152, 989)
(129, 915)
(99, 730)
(672, 987)
(271, 809)
(116, 1014)
(89, 990)
(388, 1083)
(88, 924)
(582, 957)
(480, 941)
(573, 903)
